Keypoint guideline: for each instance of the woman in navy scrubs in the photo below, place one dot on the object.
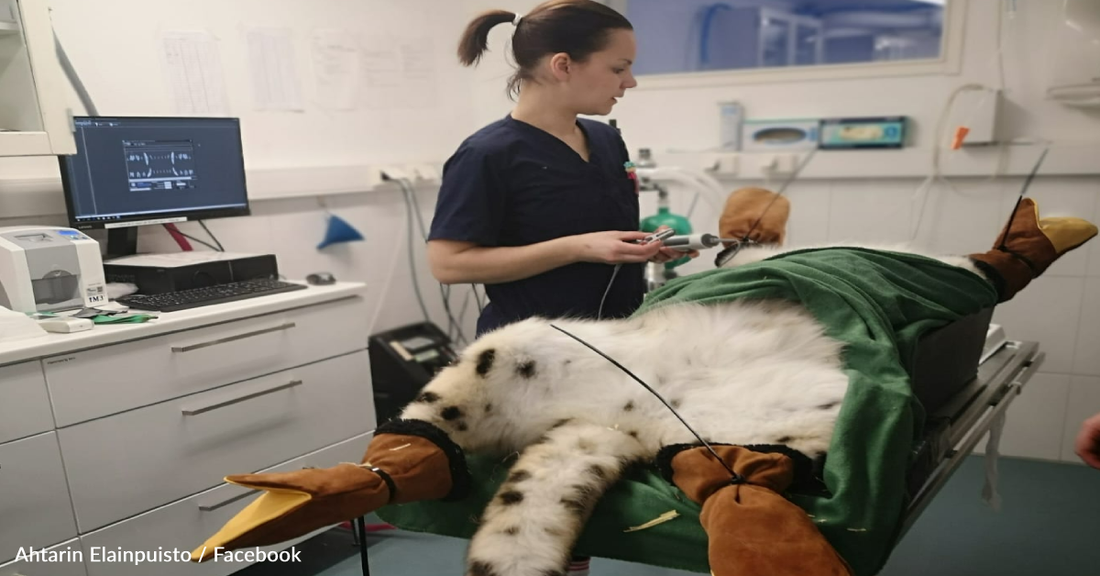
(541, 205)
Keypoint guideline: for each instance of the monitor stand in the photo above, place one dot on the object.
(122, 242)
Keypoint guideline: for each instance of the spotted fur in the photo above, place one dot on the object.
(577, 421)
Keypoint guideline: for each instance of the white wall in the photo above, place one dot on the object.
(1060, 310)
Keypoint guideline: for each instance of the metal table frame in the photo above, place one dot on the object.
(970, 415)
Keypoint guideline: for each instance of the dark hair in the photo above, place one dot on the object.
(576, 27)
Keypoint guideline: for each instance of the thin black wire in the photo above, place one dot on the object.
(204, 243)
(734, 476)
(212, 237)
(782, 188)
(477, 298)
(1027, 184)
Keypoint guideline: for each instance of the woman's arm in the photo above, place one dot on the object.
(455, 262)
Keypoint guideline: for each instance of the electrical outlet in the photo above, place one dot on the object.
(395, 171)
(726, 164)
(778, 164)
(426, 172)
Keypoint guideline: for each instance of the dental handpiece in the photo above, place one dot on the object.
(656, 236)
(695, 242)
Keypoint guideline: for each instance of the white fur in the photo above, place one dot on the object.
(739, 373)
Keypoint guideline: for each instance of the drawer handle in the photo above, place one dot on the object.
(240, 399)
(226, 502)
(191, 347)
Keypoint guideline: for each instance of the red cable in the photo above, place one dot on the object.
(178, 237)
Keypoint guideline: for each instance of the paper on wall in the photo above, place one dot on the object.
(399, 73)
(194, 71)
(335, 68)
(275, 84)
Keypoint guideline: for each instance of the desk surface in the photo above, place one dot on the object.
(105, 334)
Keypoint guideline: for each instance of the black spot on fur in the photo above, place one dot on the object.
(479, 568)
(451, 413)
(597, 471)
(518, 476)
(485, 361)
(784, 440)
(829, 406)
(511, 530)
(675, 403)
(511, 497)
(488, 408)
(527, 369)
(428, 397)
(461, 427)
(629, 407)
(633, 434)
(560, 423)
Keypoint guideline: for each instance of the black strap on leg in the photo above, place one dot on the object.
(388, 480)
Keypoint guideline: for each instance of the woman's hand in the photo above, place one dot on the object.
(1088, 442)
(670, 254)
(615, 247)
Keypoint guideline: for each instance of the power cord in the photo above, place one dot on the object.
(412, 206)
(212, 237)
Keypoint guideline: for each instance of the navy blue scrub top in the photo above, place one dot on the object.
(512, 184)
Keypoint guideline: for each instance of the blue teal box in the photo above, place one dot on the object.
(877, 132)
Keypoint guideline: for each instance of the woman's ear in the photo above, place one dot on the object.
(560, 66)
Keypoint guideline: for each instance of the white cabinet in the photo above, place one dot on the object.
(141, 423)
(34, 499)
(34, 117)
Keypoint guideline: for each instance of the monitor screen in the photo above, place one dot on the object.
(131, 171)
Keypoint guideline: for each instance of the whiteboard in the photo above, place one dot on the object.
(408, 103)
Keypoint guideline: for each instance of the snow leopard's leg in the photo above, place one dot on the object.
(531, 525)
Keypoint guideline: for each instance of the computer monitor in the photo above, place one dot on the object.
(137, 171)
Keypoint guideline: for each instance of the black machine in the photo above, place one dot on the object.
(138, 171)
(404, 360)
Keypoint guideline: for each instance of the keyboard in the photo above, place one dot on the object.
(195, 297)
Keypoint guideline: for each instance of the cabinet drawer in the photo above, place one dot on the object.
(102, 381)
(186, 524)
(68, 561)
(35, 509)
(132, 462)
(24, 402)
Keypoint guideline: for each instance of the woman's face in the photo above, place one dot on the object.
(596, 84)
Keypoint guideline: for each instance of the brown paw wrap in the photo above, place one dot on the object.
(397, 468)
(752, 529)
(757, 214)
(1028, 245)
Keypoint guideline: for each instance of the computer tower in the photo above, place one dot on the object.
(403, 361)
